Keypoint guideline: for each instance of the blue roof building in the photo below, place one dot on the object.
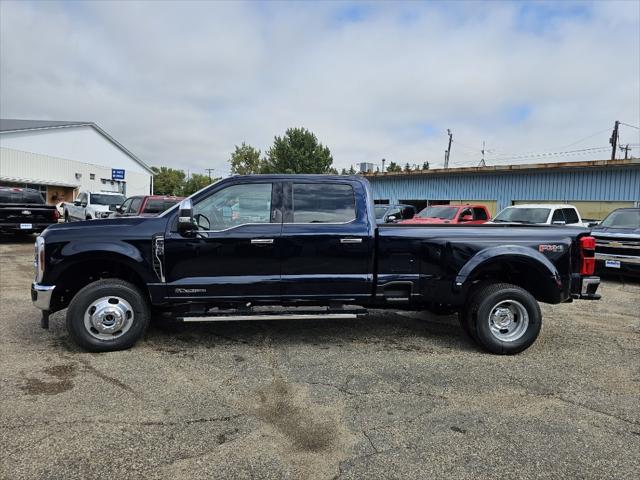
(595, 187)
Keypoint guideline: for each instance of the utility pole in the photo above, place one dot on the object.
(625, 150)
(209, 170)
(614, 139)
(383, 162)
(482, 164)
(447, 152)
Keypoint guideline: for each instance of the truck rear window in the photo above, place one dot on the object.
(323, 203)
(21, 196)
(159, 205)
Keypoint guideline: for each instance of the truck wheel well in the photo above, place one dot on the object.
(81, 274)
(527, 275)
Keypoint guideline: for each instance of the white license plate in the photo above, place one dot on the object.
(612, 264)
(26, 226)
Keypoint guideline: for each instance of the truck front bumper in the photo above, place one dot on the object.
(41, 295)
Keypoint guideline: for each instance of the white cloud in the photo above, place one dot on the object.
(180, 84)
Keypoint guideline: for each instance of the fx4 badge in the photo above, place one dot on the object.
(191, 290)
(551, 248)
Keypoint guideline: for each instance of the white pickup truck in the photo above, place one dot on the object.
(542, 214)
(90, 205)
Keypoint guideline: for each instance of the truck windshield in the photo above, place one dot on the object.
(444, 213)
(523, 215)
(622, 219)
(99, 199)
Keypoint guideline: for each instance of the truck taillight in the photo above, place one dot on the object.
(587, 255)
(56, 215)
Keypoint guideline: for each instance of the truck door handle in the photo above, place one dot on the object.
(261, 241)
(350, 240)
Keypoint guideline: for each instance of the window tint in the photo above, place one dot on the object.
(21, 196)
(135, 204)
(570, 215)
(479, 214)
(102, 199)
(233, 206)
(82, 198)
(159, 205)
(558, 216)
(408, 212)
(125, 206)
(523, 215)
(323, 203)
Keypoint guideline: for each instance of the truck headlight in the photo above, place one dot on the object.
(38, 262)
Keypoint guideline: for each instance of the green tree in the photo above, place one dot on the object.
(407, 168)
(394, 167)
(245, 160)
(425, 166)
(352, 171)
(196, 182)
(167, 181)
(344, 172)
(298, 151)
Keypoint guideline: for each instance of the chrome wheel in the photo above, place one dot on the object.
(108, 318)
(508, 320)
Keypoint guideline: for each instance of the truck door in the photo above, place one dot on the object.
(234, 253)
(327, 241)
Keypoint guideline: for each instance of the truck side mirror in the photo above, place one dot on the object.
(466, 218)
(76, 203)
(391, 218)
(119, 209)
(83, 204)
(185, 216)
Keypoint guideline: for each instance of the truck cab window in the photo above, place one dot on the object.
(233, 206)
(558, 216)
(479, 214)
(135, 205)
(571, 215)
(323, 203)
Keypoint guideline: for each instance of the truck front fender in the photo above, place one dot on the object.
(505, 254)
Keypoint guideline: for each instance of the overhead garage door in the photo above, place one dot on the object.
(491, 205)
(591, 210)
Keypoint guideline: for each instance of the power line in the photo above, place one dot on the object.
(627, 125)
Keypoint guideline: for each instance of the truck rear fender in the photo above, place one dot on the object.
(516, 264)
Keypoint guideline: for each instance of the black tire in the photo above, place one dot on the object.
(123, 294)
(477, 322)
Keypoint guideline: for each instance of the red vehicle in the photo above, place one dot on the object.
(471, 214)
(146, 205)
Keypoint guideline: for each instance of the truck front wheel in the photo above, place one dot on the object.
(107, 315)
(503, 318)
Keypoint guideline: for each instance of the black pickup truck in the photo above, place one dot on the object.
(23, 210)
(310, 246)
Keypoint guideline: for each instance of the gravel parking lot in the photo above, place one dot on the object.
(386, 396)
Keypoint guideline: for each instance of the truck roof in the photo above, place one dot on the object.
(542, 205)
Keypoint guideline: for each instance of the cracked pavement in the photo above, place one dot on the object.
(391, 395)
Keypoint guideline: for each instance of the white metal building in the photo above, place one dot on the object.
(62, 158)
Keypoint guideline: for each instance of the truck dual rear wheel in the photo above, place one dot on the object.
(502, 318)
(107, 315)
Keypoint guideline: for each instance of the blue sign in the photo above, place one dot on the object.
(117, 174)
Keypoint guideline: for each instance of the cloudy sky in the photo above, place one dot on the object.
(181, 83)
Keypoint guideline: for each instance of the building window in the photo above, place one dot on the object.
(92, 176)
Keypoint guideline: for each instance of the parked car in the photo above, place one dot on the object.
(394, 213)
(23, 210)
(92, 205)
(311, 246)
(468, 214)
(541, 214)
(146, 205)
(618, 242)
